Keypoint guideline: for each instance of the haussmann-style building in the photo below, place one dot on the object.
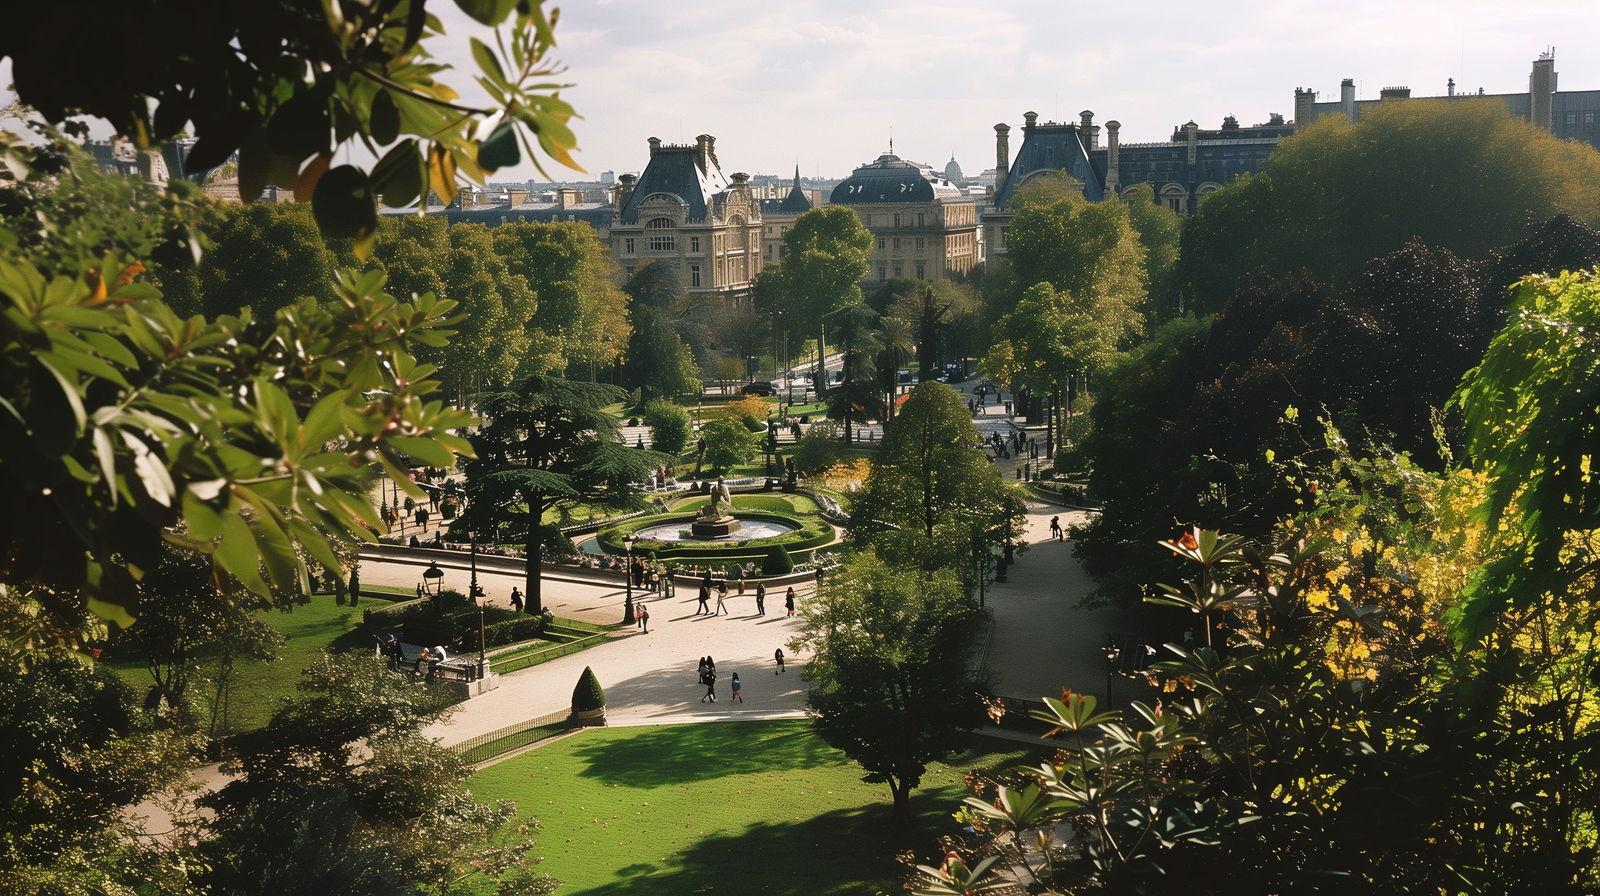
(682, 211)
(923, 226)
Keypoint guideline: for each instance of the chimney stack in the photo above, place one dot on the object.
(567, 197)
(1028, 120)
(624, 190)
(705, 151)
(1541, 90)
(1002, 154)
(1091, 131)
(1305, 100)
(655, 145)
(515, 196)
(1450, 87)
(1113, 158)
(1347, 98)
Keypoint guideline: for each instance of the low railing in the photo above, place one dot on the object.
(500, 741)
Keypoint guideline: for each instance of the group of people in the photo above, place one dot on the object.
(708, 677)
(720, 589)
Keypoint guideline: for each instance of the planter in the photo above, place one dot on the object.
(590, 717)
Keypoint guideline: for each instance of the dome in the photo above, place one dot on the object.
(952, 171)
(891, 179)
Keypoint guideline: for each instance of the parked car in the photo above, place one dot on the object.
(762, 388)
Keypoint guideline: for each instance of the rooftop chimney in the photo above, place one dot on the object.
(655, 145)
(1347, 98)
(1450, 87)
(625, 184)
(1002, 154)
(515, 196)
(1305, 100)
(1028, 119)
(1541, 88)
(705, 151)
(1113, 157)
(1394, 93)
(567, 197)
(1091, 132)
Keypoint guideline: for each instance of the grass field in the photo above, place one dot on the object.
(791, 504)
(732, 807)
(258, 687)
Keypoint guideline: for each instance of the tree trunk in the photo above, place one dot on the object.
(534, 604)
(902, 801)
(822, 367)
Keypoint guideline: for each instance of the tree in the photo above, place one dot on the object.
(890, 669)
(545, 440)
(931, 492)
(286, 88)
(658, 362)
(1338, 194)
(818, 449)
(582, 317)
(264, 257)
(1160, 231)
(728, 444)
(824, 261)
(1081, 248)
(857, 392)
(341, 782)
(669, 426)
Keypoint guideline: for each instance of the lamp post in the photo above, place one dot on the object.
(472, 587)
(1113, 655)
(627, 605)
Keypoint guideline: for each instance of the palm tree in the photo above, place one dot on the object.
(895, 348)
(858, 341)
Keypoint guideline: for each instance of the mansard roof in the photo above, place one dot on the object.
(891, 179)
(684, 172)
(1054, 147)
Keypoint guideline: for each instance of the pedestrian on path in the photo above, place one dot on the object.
(710, 681)
(761, 599)
(705, 596)
(788, 603)
(1055, 528)
(722, 596)
(516, 599)
(734, 686)
(777, 657)
(644, 619)
(700, 673)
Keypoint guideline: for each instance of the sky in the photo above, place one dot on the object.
(825, 83)
(822, 83)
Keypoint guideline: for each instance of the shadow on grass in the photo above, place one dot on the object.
(679, 754)
(846, 851)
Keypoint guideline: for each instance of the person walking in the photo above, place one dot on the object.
(516, 599)
(1055, 527)
(733, 685)
(709, 679)
(705, 597)
(700, 673)
(644, 618)
(777, 657)
(722, 597)
(788, 602)
(761, 599)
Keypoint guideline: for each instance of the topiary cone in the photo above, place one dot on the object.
(588, 696)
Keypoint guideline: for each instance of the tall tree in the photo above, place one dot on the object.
(1160, 231)
(544, 440)
(891, 669)
(1461, 175)
(658, 363)
(582, 317)
(857, 392)
(824, 261)
(265, 256)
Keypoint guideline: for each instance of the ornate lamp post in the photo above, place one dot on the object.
(433, 578)
(472, 587)
(627, 605)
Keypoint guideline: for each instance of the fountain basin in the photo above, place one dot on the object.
(737, 529)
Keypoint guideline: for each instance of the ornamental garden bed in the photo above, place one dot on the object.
(810, 531)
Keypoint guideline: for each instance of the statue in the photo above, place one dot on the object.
(716, 519)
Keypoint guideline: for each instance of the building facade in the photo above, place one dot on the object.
(1571, 114)
(778, 215)
(922, 225)
(1180, 171)
(682, 211)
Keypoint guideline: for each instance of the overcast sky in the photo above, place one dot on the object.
(822, 82)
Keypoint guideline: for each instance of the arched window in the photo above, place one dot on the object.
(660, 238)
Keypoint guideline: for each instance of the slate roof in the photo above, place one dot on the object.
(596, 214)
(676, 171)
(891, 179)
(796, 203)
(1057, 147)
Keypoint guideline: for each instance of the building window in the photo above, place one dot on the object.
(627, 246)
(922, 271)
(661, 240)
(899, 270)
(919, 242)
(919, 219)
(694, 276)
(897, 219)
(1572, 119)
(897, 243)
(880, 244)
(883, 273)
(1588, 118)
(694, 244)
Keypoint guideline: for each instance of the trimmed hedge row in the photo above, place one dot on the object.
(807, 536)
(516, 661)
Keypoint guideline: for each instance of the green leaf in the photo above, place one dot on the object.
(344, 206)
(487, 62)
(425, 450)
(255, 161)
(236, 552)
(487, 12)
(500, 149)
(383, 119)
(398, 175)
(301, 126)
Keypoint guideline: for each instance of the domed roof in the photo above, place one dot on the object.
(952, 171)
(890, 178)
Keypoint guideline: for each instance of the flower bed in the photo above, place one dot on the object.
(809, 533)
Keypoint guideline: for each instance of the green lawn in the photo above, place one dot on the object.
(732, 807)
(791, 504)
(258, 687)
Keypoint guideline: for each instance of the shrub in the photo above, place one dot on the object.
(751, 410)
(728, 444)
(818, 449)
(777, 562)
(669, 426)
(588, 695)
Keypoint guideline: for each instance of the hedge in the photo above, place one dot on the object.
(587, 695)
(807, 536)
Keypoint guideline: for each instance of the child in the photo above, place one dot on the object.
(788, 601)
(777, 656)
(734, 684)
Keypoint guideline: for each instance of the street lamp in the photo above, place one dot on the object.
(627, 606)
(1113, 656)
(472, 587)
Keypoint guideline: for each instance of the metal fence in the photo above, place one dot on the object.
(504, 740)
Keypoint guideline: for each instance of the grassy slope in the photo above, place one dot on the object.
(734, 807)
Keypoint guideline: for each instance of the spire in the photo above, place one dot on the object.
(797, 175)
